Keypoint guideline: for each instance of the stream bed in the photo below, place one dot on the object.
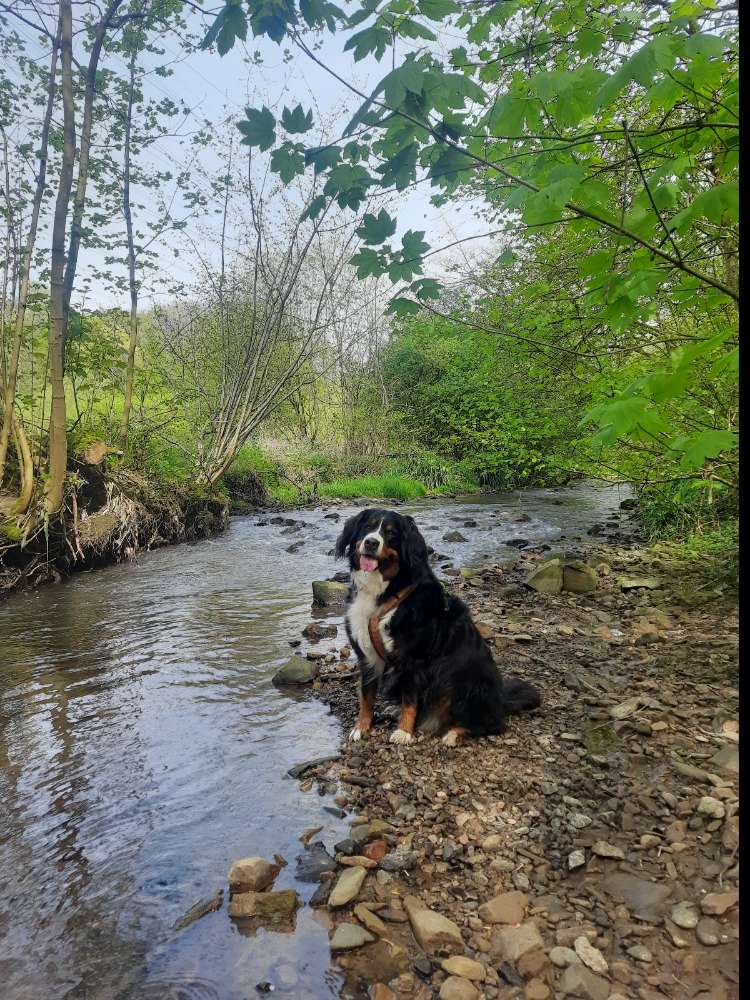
(143, 748)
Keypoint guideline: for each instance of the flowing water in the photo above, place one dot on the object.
(143, 748)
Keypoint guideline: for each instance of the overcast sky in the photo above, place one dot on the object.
(214, 87)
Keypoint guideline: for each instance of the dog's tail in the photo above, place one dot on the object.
(519, 696)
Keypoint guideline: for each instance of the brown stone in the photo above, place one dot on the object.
(507, 908)
(435, 933)
(252, 875)
(508, 944)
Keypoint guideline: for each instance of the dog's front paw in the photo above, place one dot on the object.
(356, 735)
(401, 736)
(451, 738)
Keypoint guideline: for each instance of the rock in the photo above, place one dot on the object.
(716, 904)
(357, 861)
(347, 888)
(536, 990)
(313, 862)
(508, 944)
(317, 631)
(200, 909)
(364, 832)
(454, 536)
(455, 988)
(295, 671)
(727, 759)
(493, 843)
(679, 938)
(547, 578)
(517, 543)
(265, 907)
(435, 933)
(576, 859)
(507, 908)
(379, 991)
(579, 821)
(625, 708)
(579, 981)
(252, 875)
(533, 963)
(578, 578)
(638, 583)
(709, 806)
(646, 900)
(563, 957)
(640, 953)
(329, 593)
(465, 968)
(348, 936)
(708, 931)
(685, 915)
(590, 956)
(376, 850)
(300, 770)
(398, 860)
(604, 850)
(372, 922)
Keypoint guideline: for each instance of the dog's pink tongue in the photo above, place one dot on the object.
(368, 565)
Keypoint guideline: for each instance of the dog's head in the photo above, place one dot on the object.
(377, 540)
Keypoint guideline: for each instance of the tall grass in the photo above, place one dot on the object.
(385, 487)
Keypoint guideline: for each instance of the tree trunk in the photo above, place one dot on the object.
(58, 445)
(130, 371)
(79, 203)
(23, 287)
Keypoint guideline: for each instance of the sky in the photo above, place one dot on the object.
(214, 87)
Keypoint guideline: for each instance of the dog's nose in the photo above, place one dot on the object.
(370, 545)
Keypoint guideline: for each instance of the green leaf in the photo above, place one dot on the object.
(287, 161)
(399, 306)
(230, 24)
(405, 79)
(698, 448)
(258, 129)
(426, 288)
(548, 204)
(368, 263)
(413, 245)
(315, 207)
(374, 39)
(376, 229)
(702, 44)
(437, 10)
(297, 120)
(322, 157)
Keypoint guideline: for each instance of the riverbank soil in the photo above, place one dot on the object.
(590, 851)
(107, 517)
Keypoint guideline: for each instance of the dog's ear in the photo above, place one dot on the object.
(349, 533)
(413, 546)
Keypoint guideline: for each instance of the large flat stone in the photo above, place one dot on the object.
(347, 888)
(507, 908)
(435, 933)
(265, 907)
(508, 944)
(329, 593)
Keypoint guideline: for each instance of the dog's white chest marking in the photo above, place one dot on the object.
(369, 587)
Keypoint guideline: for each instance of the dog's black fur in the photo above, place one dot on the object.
(439, 662)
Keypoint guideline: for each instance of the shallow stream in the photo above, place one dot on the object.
(143, 748)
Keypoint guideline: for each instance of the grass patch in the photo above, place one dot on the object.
(386, 487)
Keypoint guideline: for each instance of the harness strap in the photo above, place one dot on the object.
(373, 625)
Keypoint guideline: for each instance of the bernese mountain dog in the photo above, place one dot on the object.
(414, 642)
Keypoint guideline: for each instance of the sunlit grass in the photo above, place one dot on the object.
(386, 487)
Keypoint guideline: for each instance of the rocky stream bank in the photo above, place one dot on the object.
(592, 850)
